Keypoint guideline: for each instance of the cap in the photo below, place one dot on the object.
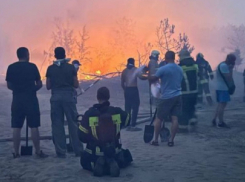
(76, 62)
(155, 53)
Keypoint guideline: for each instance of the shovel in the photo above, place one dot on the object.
(26, 150)
(149, 130)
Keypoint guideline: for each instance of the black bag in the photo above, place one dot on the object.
(231, 89)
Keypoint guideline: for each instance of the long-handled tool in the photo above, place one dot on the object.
(149, 130)
(26, 150)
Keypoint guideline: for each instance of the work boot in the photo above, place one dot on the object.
(114, 168)
(99, 167)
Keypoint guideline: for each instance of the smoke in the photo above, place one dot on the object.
(30, 23)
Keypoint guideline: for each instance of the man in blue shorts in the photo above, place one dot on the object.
(225, 83)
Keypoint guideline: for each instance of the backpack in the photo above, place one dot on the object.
(106, 131)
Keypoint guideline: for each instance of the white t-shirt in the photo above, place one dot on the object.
(221, 85)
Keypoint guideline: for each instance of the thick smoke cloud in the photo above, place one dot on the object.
(30, 22)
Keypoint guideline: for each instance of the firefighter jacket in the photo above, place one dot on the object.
(205, 70)
(88, 129)
(190, 70)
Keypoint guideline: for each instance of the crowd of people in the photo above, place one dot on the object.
(181, 88)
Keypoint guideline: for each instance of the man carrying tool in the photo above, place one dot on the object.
(171, 76)
(24, 80)
(62, 79)
(131, 92)
(205, 72)
(100, 130)
(189, 90)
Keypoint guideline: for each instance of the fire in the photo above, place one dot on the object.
(98, 72)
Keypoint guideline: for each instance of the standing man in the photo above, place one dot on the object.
(62, 79)
(205, 72)
(24, 80)
(131, 92)
(171, 76)
(189, 90)
(225, 88)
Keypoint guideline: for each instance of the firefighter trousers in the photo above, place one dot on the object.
(189, 102)
(204, 87)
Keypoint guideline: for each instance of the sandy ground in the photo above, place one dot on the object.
(205, 154)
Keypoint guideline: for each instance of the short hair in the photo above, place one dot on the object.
(59, 53)
(131, 61)
(170, 55)
(22, 52)
(231, 58)
(103, 93)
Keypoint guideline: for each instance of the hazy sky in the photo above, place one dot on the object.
(30, 22)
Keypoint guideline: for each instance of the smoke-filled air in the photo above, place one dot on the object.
(103, 34)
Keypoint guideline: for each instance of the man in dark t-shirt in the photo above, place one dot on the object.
(62, 79)
(24, 80)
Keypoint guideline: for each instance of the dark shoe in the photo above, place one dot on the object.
(16, 155)
(99, 167)
(223, 125)
(41, 154)
(170, 144)
(154, 143)
(114, 168)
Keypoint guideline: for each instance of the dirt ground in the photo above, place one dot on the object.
(205, 154)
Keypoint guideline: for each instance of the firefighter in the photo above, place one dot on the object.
(100, 130)
(205, 72)
(189, 90)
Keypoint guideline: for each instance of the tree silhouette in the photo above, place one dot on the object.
(166, 41)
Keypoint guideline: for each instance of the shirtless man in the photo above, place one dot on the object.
(131, 92)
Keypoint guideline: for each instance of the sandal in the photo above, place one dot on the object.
(170, 144)
(154, 143)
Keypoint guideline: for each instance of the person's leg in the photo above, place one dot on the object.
(200, 93)
(71, 114)
(135, 107)
(221, 112)
(174, 128)
(58, 130)
(16, 140)
(157, 128)
(207, 93)
(36, 139)
(17, 122)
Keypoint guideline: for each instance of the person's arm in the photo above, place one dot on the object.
(210, 71)
(75, 78)
(83, 129)
(75, 82)
(125, 117)
(123, 80)
(48, 79)
(38, 81)
(142, 74)
(157, 75)
(9, 78)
